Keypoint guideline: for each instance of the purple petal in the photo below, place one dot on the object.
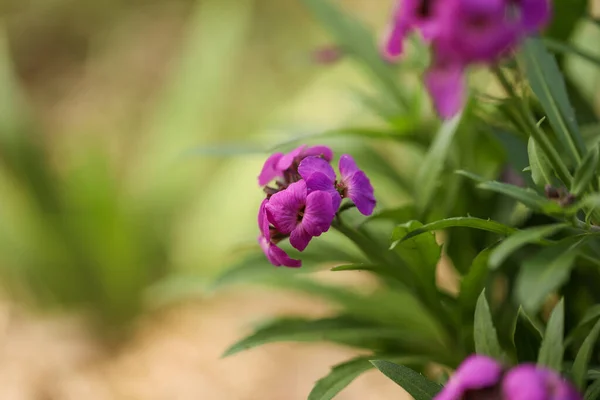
(263, 222)
(283, 207)
(275, 255)
(320, 182)
(318, 151)
(534, 14)
(300, 238)
(476, 372)
(529, 382)
(446, 86)
(287, 159)
(270, 170)
(360, 191)
(347, 165)
(318, 213)
(310, 165)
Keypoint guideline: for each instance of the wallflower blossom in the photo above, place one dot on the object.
(305, 197)
(278, 163)
(301, 214)
(483, 378)
(275, 255)
(462, 33)
(354, 184)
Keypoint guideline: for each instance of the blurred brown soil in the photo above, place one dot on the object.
(174, 354)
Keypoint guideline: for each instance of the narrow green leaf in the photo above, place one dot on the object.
(541, 169)
(543, 273)
(420, 253)
(526, 338)
(580, 365)
(359, 43)
(593, 391)
(547, 83)
(419, 387)
(466, 222)
(552, 348)
(484, 332)
(433, 164)
(586, 172)
(566, 48)
(339, 329)
(343, 374)
(474, 281)
(526, 196)
(520, 239)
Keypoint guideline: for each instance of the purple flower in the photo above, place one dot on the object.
(270, 170)
(277, 164)
(320, 176)
(300, 214)
(275, 255)
(354, 184)
(528, 382)
(477, 374)
(463, 32)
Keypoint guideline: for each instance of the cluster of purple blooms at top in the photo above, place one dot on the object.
(462, 33)
(304, 197)
(483, 378)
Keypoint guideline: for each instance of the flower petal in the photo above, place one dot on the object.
(263, 222)
(476, 372)
(347, 165)
(311, 165)
(318, 214)
(527, 381)
(534, 14)
(445, 83)
(287, 159)
(299, 238)
(318, 151)
(275, 255)
(269, 170)
(320, 182)
(360, 191)
(283, 207)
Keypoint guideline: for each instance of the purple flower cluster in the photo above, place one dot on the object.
(461, 33)
(305, 197)
(480, 377)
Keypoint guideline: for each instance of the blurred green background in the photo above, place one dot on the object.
(133, 132)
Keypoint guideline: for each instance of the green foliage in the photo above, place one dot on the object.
(552, 347)
(419, 387)
(486, 338)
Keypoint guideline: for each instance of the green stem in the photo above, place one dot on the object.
(534, 131)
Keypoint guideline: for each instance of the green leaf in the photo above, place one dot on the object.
(433, 165)
(467, 222)
(552, 348)
(547, 83)
(580, 365)
(585, 173)
(593, 391)
(527, 338)
(545, 272)
(484, 332)
(474, 281)
(359, 43)
(419, 387)
(343, 374)
(521, 238)
(526, 196)
(566, 48)
(420, 253)
(339, 329)
(541, 169)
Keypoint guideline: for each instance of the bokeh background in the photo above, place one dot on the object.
(131, 135)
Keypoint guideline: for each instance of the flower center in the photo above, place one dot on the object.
(300, 214)
(424, 9)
